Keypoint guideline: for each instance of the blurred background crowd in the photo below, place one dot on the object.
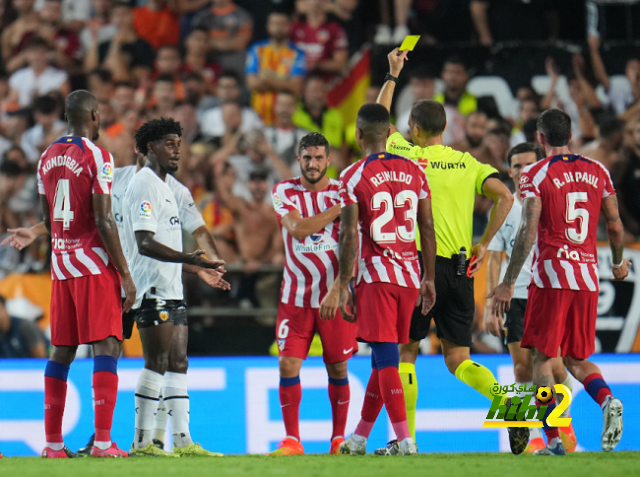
(248, 78)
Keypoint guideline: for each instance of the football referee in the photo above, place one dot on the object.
(454, 178)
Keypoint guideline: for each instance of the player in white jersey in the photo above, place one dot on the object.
(520, 157)
(308, 209)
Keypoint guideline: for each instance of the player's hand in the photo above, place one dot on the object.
(619, 273)
(20, 238)
(396, 61)
(478, 254)
(347, 308)
(492, 324)
(501, 295)
(213, 278)
(428, 294)
(198, 259)
(129, 291)
(330, 304)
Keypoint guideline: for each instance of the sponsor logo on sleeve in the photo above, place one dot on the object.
(277, 201)
(145, 210)
(106, 174)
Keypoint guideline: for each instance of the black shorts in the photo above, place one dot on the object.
(454, 308)
(153, 312)
(514, 326)
(128, 318)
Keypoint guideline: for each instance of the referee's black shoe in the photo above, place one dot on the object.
(518, 436)
(86, 450)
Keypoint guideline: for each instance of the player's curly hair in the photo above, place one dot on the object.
(313, 139)
(155, 130)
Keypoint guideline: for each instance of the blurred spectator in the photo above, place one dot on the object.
(322, 40)
(229, 28)
(74, 13)
(274, 65)
(126, 55)
(504, 20)
(607, 148)
(456, 77)
(14, 123)
(497, 142)
(164, 97)
(622, 99)
(27, 21)
(48, 128)
(195, 58)
(20, 338)
(423, 86)
(314, 115)
(169, 63)
(107, 115)
(474, 138)
(38, 78)
(99, 26)
(18, 190)
(626, 178)
(156, 23)
(196, 94)
(261, 10)
(122, 102)
(529, 109)
(385, 34)
(228, 91)
(101, 84)
(284, 135)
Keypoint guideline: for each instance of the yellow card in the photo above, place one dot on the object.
(409, 42)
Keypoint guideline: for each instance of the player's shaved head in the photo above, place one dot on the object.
(81, 111)
(373, 122)
(429, 116)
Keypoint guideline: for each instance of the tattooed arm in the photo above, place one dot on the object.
(525, 239)
(339, 295)
(615, 231)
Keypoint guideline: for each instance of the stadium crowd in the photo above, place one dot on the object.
(248, 78)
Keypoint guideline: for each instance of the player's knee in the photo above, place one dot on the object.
(158, 363)
(178, 364)
(337, 370)
(409, 352)
(523, 372)
(385, 355)
(289, 367)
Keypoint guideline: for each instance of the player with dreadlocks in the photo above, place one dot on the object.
(153, 238)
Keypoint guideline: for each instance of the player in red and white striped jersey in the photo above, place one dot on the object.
(387, 197)
(74, 182)
(308, 209)
(563, 196)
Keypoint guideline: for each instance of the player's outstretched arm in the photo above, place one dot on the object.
(23, 237)
(150, 247)
(339, 296)
(502, 203)
(492, 324)
(525, 238)
(615, 231)
(301, 228)
(428, 245)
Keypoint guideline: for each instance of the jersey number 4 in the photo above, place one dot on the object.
(404, 233)
(62, 204)
(578, 234)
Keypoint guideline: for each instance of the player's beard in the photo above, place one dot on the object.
(314, 181)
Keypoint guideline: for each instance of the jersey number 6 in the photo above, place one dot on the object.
(402, 232)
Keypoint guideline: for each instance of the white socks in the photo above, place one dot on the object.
(56, 446)
(147, 396)
(176, 402)
(160, 424)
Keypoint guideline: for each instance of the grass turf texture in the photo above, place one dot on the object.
(432, 465)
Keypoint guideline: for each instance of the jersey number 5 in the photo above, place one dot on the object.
(62, 204)
(578, 234)
(404, 233)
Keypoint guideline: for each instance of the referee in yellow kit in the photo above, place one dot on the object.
(454, 178)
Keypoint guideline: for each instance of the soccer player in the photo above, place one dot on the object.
(308, 209)
(74, 183)
(192, 222)
(454, 178)
(563, 196)
(386, 197)
(519, 157)
(154, 250)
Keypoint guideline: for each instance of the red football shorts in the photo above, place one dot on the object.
(558, 318)
(383, 312)
(297, 326)
(86, 309)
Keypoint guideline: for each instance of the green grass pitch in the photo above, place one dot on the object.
(587, 464)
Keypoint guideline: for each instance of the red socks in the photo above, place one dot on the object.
(339, 395)
(55, 395)
(393, 395)
(597, 388)
(290, 397)
(371, 407)
(105, 389)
